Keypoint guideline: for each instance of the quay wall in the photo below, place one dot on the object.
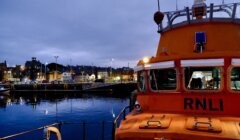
(104, 89)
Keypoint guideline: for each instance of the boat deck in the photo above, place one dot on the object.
(178, 127)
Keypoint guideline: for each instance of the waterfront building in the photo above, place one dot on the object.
(12, 74)
(8, 75)
(103, 74)
(34, 69)
(55, 71)
(92, 77)
(53, 74)
(3, 67)
(66, 77)
(123, 74)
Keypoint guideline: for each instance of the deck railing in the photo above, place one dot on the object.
(118, 118)
(83, 135)
(214, 13)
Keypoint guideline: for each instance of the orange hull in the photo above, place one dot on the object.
(191, 89)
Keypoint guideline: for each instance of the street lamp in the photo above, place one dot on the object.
(111, 67)
(46, 70)
(82, 74)
(56, 57)
(41, 75)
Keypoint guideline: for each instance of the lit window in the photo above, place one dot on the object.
(235, 78)
(141, 80)
(163, 79)
(204, 78)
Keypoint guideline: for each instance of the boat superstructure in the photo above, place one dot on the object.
(191, 88)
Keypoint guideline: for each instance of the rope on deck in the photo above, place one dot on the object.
(25, 132)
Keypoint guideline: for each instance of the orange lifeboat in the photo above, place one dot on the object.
(191, 89)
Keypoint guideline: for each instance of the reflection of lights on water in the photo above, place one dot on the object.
(21, 101)
(46, 112)
(9, 102)
(113, 114)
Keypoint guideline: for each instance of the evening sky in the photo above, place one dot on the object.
(84, 32)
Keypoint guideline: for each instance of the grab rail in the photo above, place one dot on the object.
(210, 127)
(46, 129)
(29, 131)
(153, 121)
(123, 112)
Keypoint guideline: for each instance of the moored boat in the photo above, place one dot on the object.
(191, 88)
(4, 91)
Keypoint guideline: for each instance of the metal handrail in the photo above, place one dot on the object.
(29, 131)
(210, 127)
(229, 9)
(123, 112)
(59, 124)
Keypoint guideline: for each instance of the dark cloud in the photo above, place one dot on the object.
(79, 31)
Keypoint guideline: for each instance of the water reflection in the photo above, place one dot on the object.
(21, 113)
(4, 101)
(33, 99)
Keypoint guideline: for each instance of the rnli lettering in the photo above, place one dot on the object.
(203, 104)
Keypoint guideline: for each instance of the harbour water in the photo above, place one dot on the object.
(18, 114)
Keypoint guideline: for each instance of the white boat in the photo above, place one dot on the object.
(4, 91)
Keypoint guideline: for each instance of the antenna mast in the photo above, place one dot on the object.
(176, 4)
(158, 5)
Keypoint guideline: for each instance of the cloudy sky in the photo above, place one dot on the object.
(84, 32)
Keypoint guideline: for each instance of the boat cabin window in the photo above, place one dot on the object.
(203, 78)
(235, 78)
(141, 81)
(163, 79)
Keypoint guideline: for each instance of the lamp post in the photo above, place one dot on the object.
(46, 71)
(71, 66)
(82, 74)
(111, 67)
(128, 73)
(56, 57)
